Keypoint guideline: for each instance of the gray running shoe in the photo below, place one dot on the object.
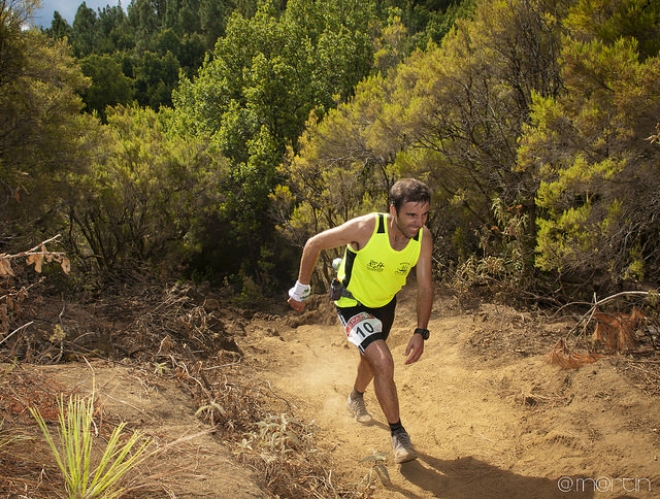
(403, 449)
(357, 408)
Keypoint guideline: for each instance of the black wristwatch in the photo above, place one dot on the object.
(424, 332)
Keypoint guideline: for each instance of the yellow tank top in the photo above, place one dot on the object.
(376, 273)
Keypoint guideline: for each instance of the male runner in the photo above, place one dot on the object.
(381, 249)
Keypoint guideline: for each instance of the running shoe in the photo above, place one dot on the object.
(357, 408)
(403, 449)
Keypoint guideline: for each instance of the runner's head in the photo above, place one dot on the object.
(409, 190)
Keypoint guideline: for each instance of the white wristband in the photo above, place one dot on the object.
(300, 292)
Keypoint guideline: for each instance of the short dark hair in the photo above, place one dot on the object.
(409, 190)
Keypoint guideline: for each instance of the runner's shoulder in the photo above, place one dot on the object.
(360, 229)
(363, 222)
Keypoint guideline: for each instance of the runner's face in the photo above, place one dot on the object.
(411, 218)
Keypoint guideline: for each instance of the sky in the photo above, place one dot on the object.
(68, 8)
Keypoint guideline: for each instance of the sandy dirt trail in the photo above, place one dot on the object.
(486, 422)
(490, 416)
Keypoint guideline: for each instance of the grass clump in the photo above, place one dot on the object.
(378, 469)
(281, 449)
(84, 476)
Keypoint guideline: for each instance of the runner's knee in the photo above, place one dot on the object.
(381, 361)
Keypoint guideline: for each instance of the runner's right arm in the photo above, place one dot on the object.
(355, 232)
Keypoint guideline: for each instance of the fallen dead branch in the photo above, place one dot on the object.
(15, 331)
(13, 295)
(566, 358)
(613, 332)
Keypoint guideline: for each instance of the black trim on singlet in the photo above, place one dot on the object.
(381, 224)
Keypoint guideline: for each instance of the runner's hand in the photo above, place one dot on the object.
(298, 306)
(415, 349)
(297, 296)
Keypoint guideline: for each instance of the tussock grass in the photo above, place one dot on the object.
(84, 476)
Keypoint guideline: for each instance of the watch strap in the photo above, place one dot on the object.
(423, 332)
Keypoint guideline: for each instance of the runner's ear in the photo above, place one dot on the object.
(392, 210)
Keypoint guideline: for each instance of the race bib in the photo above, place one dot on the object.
(361, 326)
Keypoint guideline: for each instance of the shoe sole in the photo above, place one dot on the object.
(406, 459)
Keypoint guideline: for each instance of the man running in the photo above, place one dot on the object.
(381, 249)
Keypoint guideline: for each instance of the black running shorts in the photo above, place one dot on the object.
(363, 325)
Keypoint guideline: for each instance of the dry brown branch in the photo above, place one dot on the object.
(564, 357)
(615, 332)
(35, 256)
(15, 331)
(195, 362)
(599, 303)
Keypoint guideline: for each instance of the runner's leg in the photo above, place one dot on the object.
(380, 362)
(364, 375)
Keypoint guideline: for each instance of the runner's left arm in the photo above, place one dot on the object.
(424, 272)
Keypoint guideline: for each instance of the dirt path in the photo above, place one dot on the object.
(487, 423)
(489, 415)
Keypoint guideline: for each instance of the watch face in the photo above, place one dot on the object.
(423, 332)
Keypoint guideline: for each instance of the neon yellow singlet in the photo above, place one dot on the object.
(375, 273)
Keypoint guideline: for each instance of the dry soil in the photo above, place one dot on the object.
(489, 414)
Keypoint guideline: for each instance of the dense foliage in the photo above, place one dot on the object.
(209, 139)
(533, 129)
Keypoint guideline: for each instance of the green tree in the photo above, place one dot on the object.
(155, 78)
(59, 27)
(43, 135)
(336, 174)
(145, 17)
(466, 112)
(599, 176)
(109, 84)
(392, 46)
(183, 16)
(84, 32)
(267, 74)
(609, 20)
(145, 194)
(213, 16)
(283, 65)
(453, 115)
(425, 21)
(114, 33)
(192, 54)
(187, 49)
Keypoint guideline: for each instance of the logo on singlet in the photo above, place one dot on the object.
(404, 268)
(375, 266)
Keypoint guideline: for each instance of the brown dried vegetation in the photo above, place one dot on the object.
(613, 333)
(180, 333)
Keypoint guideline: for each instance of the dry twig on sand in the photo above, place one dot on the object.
(613, 332)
